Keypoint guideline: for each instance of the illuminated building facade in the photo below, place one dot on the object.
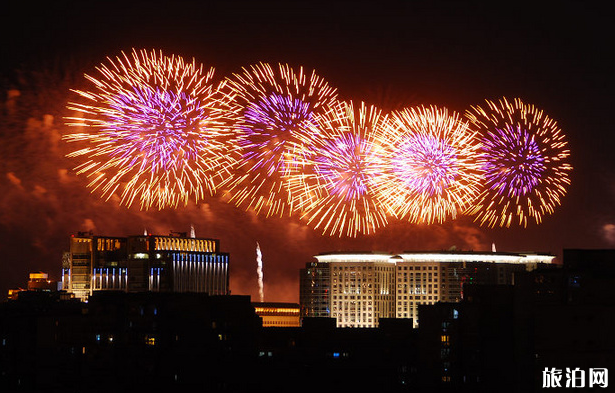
(148, 263)
(364, 287)
(278, 314)
(94, 263)
(177, 264)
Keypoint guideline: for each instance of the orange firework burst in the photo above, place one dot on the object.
(523, 156)
(338, 173)
(273, 112)
(152, 131)
(431, 173)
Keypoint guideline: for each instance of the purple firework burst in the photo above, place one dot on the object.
(151, 131)
(524, 157)
(272, 115)
(514, 164)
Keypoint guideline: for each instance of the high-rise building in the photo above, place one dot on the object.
(364, 287)
(174, 263)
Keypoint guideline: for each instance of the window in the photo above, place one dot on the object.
(150, 340)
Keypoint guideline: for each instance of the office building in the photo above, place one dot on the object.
(364, 287)
(174, 263)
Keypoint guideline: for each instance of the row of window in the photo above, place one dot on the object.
(417, 267)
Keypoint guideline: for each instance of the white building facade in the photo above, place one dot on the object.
(365, 287)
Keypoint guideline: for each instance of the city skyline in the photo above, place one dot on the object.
(392, 55)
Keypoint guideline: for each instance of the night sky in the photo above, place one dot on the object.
(392, 54)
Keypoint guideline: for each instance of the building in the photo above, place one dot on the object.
(361, 288)
(94, 263)
(177, 264)
(119, 341)
(278, 314)
(364, 287)
(38, 281)
(503, 337)
(314, 290)
(174, 263)
(431, 277)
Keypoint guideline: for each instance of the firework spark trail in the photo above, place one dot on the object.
(524, 158)
(338, 173)
(273, 112)
(431, 173)
(151, 130)
(154, 130)
(259, 272)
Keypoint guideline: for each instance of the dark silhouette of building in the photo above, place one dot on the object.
(322, 357)
(502, 338)
(498, 338)
(124, 342)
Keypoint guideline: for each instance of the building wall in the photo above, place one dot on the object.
(362, 292)
(144, 263)
(315, 290)
(365, 287)
(418, 283)
(278, 314)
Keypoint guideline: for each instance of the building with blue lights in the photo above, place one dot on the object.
(147, 263)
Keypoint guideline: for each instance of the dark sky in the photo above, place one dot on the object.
(393, 54)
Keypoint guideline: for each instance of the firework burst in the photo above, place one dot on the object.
(152, 129)
(431, 173)
(339, 171)
(273, 111)
(524, 158)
